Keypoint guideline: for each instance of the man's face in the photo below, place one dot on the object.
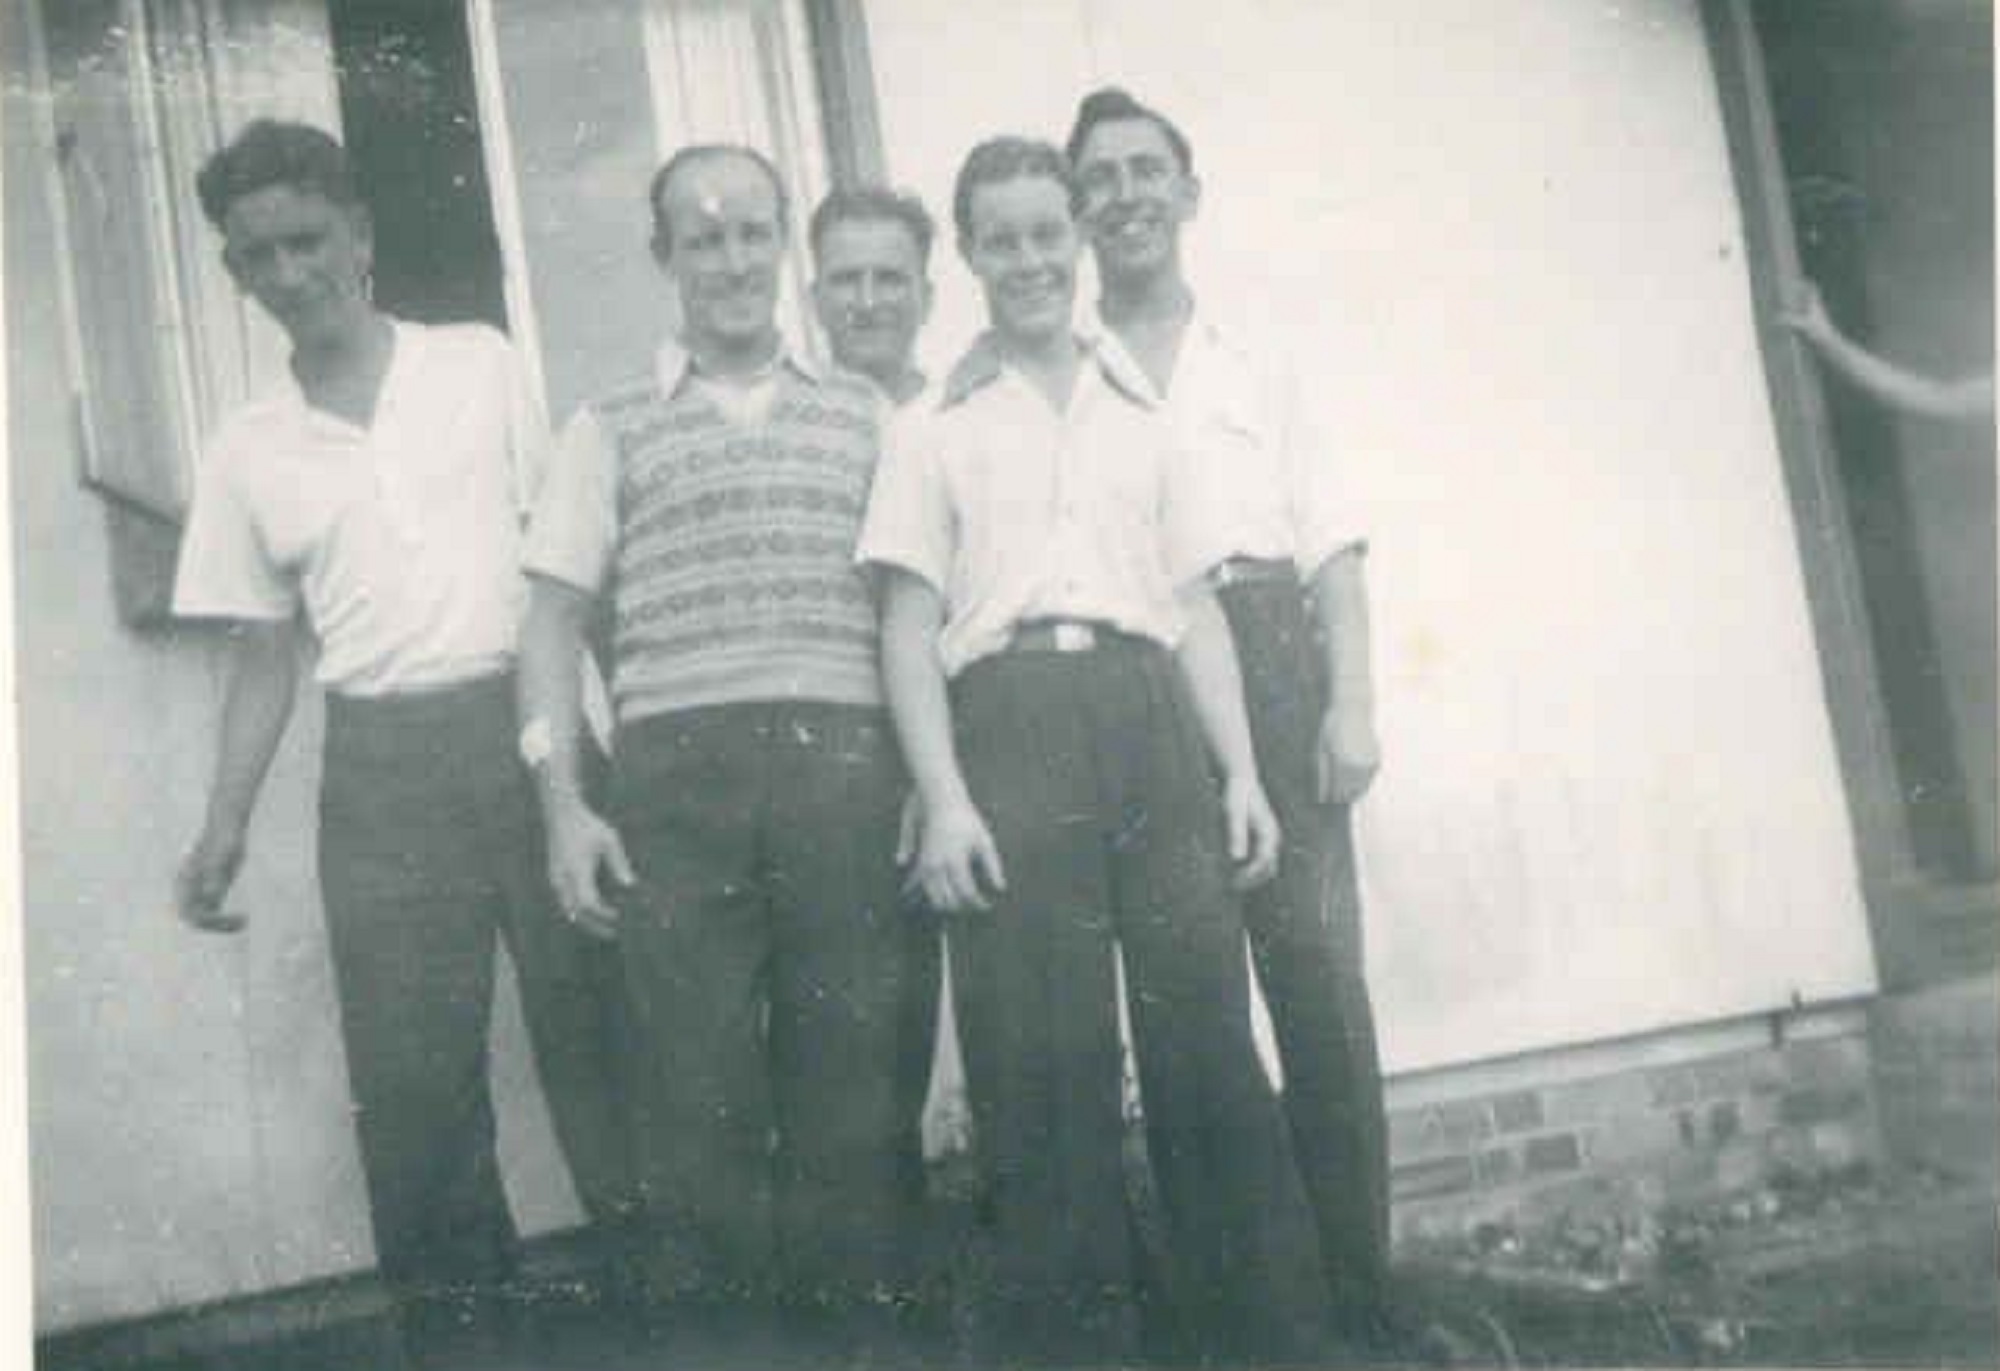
(1133, 196)
(724, 245)
(871, 294)
(1023, 248)
(302, 257)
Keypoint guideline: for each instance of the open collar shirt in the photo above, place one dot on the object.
(1015, 511)
(1261, 479)
(400, 541)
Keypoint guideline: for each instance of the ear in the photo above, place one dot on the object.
(663, 250)
(1193, 194)
(925, 297)
(234, 268)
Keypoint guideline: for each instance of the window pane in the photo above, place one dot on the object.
(593, 96)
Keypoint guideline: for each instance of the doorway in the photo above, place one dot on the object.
(411, 120)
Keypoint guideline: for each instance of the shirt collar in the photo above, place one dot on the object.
(981, 367)
(673, 364)
(1205, 328)
(407, 342)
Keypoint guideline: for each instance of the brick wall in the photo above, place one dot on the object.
(1625, 1136)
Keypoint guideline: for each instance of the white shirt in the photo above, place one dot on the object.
(400, 541)
(1014, 511)
(1262, 480)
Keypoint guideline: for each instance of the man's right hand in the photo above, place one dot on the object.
(581, 845)
(203, 881)
(957, 861)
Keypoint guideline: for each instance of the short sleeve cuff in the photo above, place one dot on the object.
(882, 553)
(191, 604)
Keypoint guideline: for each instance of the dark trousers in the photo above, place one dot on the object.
(430, 852)
(1088, 770)
(761, 949)
(1305, 932)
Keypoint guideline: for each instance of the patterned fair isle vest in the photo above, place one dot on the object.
(734, 576)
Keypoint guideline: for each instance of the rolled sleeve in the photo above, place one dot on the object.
(225, 570)
(909, 523)
(1325, 520)
(574, 528)
(1192, 539)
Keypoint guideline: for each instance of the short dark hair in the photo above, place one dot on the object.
(1006, 158)
(272, 152)
(874, 205)
(1108, 104)
(704, 152)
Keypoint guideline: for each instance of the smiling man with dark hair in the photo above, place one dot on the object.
(1277, 525)
(378, 494)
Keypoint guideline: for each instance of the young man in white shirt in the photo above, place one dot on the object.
(1273, 515)
(379, 494)
(1054, 665)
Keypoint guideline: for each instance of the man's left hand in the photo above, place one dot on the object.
(1254, 836)
(1348, 756)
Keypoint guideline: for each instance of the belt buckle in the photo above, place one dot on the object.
(1074, 637)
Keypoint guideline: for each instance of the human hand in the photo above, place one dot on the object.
(957, 861)
(581, 848)
(1804, 311)
(1346, 756)
(203, 881)
(1254, 836)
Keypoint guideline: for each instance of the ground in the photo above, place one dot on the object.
(1836, 1269)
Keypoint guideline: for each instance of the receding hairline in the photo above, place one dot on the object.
(688, 160)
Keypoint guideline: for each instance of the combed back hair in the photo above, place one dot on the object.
(1007, 158)
(874, 205)
(271, 152)
(656, 190)
(1110, 104)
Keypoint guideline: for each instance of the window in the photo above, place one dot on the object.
(157, 340)
(582, 103)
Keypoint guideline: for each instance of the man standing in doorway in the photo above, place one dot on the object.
(872, 291)
(381, 490)
(1288, 573)
(746, 861)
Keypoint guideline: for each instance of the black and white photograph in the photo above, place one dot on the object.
(760, 685)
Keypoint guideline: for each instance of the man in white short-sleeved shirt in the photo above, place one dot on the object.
(1058, 673)
(378, 495)
(1273, 514)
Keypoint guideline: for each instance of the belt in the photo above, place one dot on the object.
(1249, 571)
(1063, 635)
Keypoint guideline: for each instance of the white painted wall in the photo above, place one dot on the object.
(1505, 229)
(1503, 237)
(189, 1135)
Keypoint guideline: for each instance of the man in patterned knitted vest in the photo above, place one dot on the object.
(745, 858)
